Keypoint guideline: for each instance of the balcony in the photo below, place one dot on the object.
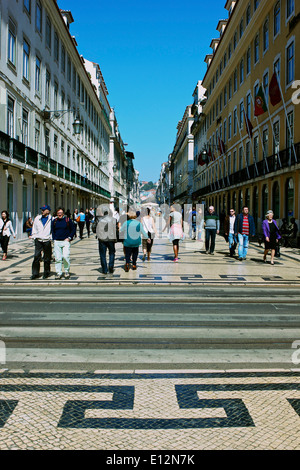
(262, 168)
(32, 157)
(18, 150)
(4, 144)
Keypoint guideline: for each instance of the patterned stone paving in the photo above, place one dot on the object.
(150, 411)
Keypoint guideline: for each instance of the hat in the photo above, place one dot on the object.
(46, 207)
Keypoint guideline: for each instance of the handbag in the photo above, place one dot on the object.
(78, 219)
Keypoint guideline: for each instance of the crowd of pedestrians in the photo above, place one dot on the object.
(52, 234)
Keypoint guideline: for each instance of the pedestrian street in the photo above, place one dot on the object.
(194, 267)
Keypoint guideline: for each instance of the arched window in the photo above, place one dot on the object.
(289, 198)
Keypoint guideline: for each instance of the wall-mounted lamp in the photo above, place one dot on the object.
(77, 124)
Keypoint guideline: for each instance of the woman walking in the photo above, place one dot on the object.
(150, 229)
(176, 232)
(6, 230)
(131, 232)
(271, 235)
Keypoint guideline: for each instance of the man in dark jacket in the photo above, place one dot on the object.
(106, 232)
(243, 229)
(63, 231)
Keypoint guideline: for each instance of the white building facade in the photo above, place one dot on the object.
(44, 89)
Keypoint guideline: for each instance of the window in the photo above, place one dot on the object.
(241, 158)
(25, 127)
(38, 17)
(230, 89)
(277, 68)
(265, 139)
(255, 148)
(11, 42)
(37, 135)
(47, 87)
(241, 114)
(235, 79)
(27, 5)
(248, 63)
(276, 137)
(55, 146)
(248, 106)
(63, 59)
(290, 63)
(235, 121)
(241, 28)
(256, 49)
(10, 116)
(55, 96)
(229, 127)
(290, 8)
(26, 50)
(229, 51)
(37, 75)
(266, 86)
(248, 14)
(225, 96)
(56, 47)
(290, 130)
(266, 35)
(234, 40)
(248, 153)
(255, 5)
(276, 19)
(234, 162)
(241, 71)
(69, 70)
(48, 32)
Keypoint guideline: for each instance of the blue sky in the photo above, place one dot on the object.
(151, 54)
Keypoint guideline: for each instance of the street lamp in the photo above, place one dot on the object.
(77, 124)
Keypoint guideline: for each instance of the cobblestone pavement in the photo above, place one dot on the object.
(142, 411)
(194, 266)
(152, 410)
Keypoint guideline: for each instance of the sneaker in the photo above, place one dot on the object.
(211, 253)
(175, 260)
(58, 276)
(240, 259)
(67, 275)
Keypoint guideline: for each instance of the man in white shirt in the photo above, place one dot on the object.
(41, 233)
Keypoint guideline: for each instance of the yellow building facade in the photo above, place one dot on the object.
(253, 163)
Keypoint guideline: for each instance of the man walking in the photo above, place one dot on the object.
(81, 218)
(212, 227)
(63, 231)
(107, 236)
(243, 229)
(41, 233)
(229, 231)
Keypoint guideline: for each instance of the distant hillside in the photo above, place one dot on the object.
(147, 185)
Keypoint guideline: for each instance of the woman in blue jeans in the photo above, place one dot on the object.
(131, 231)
